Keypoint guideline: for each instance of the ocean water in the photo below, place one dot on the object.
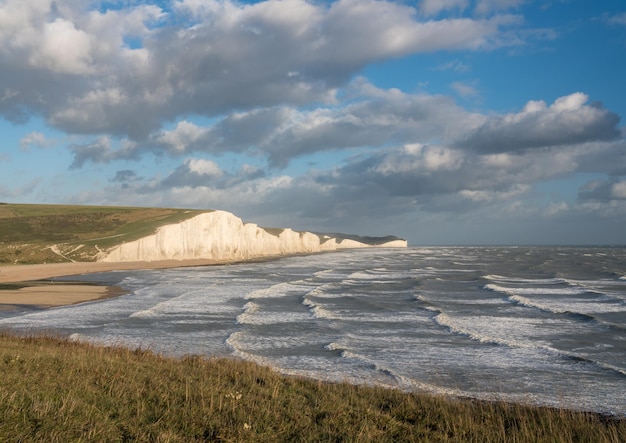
(538, 325)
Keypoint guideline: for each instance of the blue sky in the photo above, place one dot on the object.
(443, 122)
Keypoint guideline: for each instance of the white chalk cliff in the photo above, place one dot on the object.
(221, 235)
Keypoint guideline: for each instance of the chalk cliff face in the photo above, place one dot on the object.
(221, 235)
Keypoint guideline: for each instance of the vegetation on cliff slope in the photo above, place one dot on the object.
(61, 233)
(58, 390)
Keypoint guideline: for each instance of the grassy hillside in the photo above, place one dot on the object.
(57, 390)
(59, 233)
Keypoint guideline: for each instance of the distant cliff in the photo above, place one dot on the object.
(221, 235)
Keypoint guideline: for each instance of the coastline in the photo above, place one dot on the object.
(31, 285)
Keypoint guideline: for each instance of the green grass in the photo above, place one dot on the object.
(27, 232)
(56, 390)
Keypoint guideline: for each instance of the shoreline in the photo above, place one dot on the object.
(33, 286)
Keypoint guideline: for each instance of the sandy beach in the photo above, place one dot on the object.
(32, 289)
(50, 295)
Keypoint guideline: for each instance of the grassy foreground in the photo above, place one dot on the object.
(56, 390)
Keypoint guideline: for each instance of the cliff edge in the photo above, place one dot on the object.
(221, 235)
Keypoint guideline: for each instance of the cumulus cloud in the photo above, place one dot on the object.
(194, 173)
(376, 118)
(618, 190)
(33, 139)
(423, 179)
(373, 118)
(125, 71)
(569, 120)
(101, 150)
(394, 180)
(603, 190)
(203, 173)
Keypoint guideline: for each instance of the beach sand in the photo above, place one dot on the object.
(26, 285)
(54, 294)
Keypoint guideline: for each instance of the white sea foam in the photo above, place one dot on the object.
(250, 309)
(191, 303)
(570, 306)
(485, 332)
(568, 290)
(256, 316)
(319, 312)
(609, 289)
(379, 275)
(326, 290)
(385, 375)
(620, 370)
(530, 281)
(234, 342)
(328, 312)
(503, 331)
(280, 290)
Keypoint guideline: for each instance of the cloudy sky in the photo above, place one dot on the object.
(441, 121)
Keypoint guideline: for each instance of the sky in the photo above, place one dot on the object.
(444, 122)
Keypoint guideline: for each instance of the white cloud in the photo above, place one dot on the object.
(433, 7)
(124, 71)
(204, 167)
(618, 19)
(101, 150)
(489, 196)
(464, 90)
(569, 120)
(539, 141)
(180, 138)
(417, 157)
(455, 65)
(33, 139)
(372, 118)
(570, 102)
(618, 190)
(489, 6)
(19, 191)
(63, 48)
(555, 209)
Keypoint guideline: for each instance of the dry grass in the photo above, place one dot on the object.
(55, 390)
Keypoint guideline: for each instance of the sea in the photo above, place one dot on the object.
(533, 325)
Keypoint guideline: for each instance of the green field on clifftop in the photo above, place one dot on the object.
(61, 233)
